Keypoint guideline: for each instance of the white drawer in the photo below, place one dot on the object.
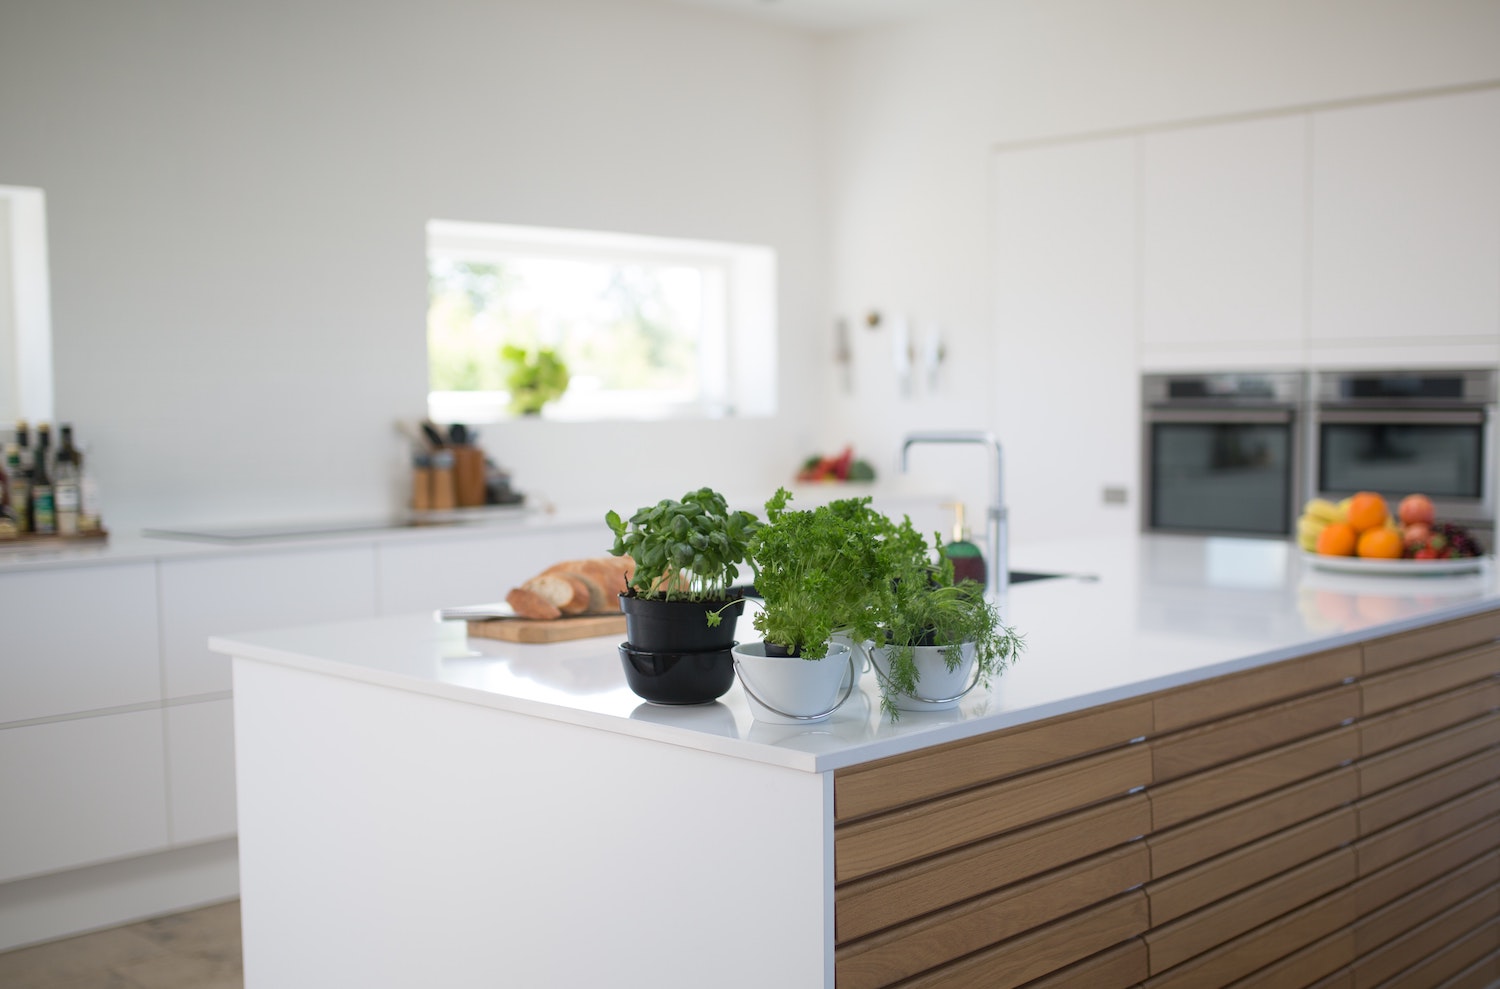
(200, 765)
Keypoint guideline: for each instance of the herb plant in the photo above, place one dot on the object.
(820, 572)
(688, 550)
(926, 608)
(534, 378)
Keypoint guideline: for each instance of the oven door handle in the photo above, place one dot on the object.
(1402, 417)
(1214, 417)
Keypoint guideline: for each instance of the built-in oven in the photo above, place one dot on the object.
(1402, 432)
(1222, 452)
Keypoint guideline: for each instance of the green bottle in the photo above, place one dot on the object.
(968, 561)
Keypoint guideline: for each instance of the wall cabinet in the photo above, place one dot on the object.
(1224, 239)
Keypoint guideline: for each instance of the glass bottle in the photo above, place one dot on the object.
(20, 486)
(43, 507)
(66, 484)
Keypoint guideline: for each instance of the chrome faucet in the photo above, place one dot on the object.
(996, 536)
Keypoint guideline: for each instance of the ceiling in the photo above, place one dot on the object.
(827, 16)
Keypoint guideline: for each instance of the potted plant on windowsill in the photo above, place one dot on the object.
(533, 377)
(820, 574)
(936, 635)
(681, 606)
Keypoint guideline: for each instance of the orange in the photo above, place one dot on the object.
(1382, 544)
(1367, 511)
(1336, 539)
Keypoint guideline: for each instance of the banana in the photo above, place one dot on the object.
(1325, 510)
(1308, 530)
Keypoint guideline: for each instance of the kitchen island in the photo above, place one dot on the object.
(1213, 765)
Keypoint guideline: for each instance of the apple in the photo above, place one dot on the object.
(1416, 534)
(1415, 508)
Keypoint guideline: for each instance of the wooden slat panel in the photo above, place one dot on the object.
(1412, 683)
(869, 904)
(1480, 975)
(901, 952)
(1189, 844)
(1214, 699)
(1342, 979)
(1193, 796)
(1414, 796)
(1435, 714)
(1183, 892)
(889, 783)
(1450, 961)
(1395, 843)
(1118, 968)
(1199, 748)
(1174, 943)
(1395, 919)
(1410, 647)
(1427, 939)
(901, 836)
(1318, 962)
(1382, 887)
(1425, 754)
(1043, 951)
(1261, 947)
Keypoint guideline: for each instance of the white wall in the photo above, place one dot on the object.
(917, 114)
(237, 195)
(10, 392)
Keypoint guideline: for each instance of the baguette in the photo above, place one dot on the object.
(610, 574)
(530, 604)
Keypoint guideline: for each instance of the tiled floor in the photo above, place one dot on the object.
(199, 949)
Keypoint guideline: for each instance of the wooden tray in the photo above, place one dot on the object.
(561, 630)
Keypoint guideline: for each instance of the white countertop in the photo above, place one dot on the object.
(1163, 611)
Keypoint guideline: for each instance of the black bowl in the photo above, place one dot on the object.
(678, 677)
(670, 627)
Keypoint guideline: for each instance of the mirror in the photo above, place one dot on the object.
(25, 307)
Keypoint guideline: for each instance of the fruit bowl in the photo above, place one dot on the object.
(1403, 567)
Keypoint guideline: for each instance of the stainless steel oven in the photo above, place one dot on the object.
(1402, 431)
(1222, 452)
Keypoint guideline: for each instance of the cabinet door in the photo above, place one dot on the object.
(1406, 223)
(1065, 339)
(78, 640)
(1223, 243)
(204, 597)
(200, 764)
(81, 791)
(475, 570)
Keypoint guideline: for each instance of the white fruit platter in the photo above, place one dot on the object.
(1404, 568)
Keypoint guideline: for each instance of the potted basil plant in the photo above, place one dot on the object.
(936, 635)
(681, 604)
(820, 574)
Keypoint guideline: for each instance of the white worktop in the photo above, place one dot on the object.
(1139, 615)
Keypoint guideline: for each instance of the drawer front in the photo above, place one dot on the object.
(1413, 683)
(1224, 696)
(1427, 643)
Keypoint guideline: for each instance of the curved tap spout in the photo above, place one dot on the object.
(995, 517)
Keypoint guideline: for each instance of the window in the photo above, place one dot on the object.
(649, 328)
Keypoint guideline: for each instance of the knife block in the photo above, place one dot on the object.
(468, 475)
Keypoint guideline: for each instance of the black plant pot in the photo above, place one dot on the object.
(678, 678)
(678, 626)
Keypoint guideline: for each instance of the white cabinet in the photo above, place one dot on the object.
(203, 597)
(1065, 338)
(1406, 226)
(78, 640)
(80, 791)
(1223, 242)
(200, 766)
(474, 570)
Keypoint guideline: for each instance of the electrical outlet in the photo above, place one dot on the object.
(1115, 495)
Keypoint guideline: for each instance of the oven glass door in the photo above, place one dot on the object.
(1231, 476)
(1438, 454)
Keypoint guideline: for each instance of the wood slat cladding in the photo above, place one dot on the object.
(1199, 794)
(1318, 963)
(1411, 647)
(867, 905)
(1329, 822)
(1439, 786)
(1480, 975)
(1043, 951)
(1384, 925)
(1179, 847)
(902, 836)
(1177, 895)
(1224, 696)
(1195, 749)
(1390, 690)
(1414, 721)
(1411, 760)
(915, 947)
(1427, 940)
(901, 780)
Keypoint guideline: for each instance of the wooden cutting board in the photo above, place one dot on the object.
(561, 630)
